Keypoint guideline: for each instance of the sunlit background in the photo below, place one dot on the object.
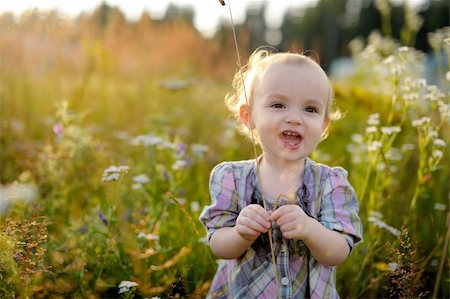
(112, 117)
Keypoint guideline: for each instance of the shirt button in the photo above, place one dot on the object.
(285, 281)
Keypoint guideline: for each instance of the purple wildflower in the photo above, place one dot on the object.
(58, 130)
(83, 229)
(166, 176)
(181, 149)
(102, 217)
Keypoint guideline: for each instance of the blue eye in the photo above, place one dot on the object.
(311, 109)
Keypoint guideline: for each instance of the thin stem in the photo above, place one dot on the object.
(444, 254)
(367, 257)
(254, 149)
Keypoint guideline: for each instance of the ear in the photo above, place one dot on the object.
(325, 126)
(246, 117)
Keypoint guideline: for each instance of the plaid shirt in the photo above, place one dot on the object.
(325, 195)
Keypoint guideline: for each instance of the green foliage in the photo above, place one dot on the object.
(399, 166)
(122, 170)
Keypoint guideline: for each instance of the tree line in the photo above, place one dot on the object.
(106, 39)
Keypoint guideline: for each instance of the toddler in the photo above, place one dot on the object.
(283, 100)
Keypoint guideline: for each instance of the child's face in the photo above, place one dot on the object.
(288, 110)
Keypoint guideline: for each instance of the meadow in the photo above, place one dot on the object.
(114, 147)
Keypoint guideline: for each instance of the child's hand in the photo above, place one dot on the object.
(293, 222)
(252, 221)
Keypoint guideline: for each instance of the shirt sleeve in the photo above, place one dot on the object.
(224, 209)
(339, 207)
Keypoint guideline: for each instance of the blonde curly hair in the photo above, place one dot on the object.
(257, 64)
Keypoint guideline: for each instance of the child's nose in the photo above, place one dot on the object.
(294, 117)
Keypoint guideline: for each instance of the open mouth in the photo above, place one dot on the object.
(291, 139)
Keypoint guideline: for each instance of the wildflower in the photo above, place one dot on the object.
(180, 164)
(356, 45)
(403, 49)
(102, 217)
(180, 149)
(139, 180)
(433, 134)
(435, 38)
(421, 121)
(405, 89)
(16, 192)
(126, 285)
(357, 138)
(375, 214)
(434, 94)
(195, 206)
(113, 168)
(83, 229)
(437, 154)
(396, 70)
(147, 140)
(420, 83)
(446, 41)
(377, 219)
(390, 130)
(166, 176)
(440, 206)
(136, 186)
(408, 81)
(371, 130)
(394, 154)
(393, 169)
(374, 119)
(374, 146)
(439, 142)
(443, 108)
(413, 96)
(199, 149)
(110, 177)
(381, 166)
(58, 130)
(389, 60)
(112, 173)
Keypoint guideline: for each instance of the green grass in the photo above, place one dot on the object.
(100, 113)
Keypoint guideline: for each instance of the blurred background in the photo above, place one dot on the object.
(197, 34)
(112, 117)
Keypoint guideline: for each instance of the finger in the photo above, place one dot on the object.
(292, 211)
(247, 231)
(260, 211)
(253, 221)
(280, 212)
(259, 215)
